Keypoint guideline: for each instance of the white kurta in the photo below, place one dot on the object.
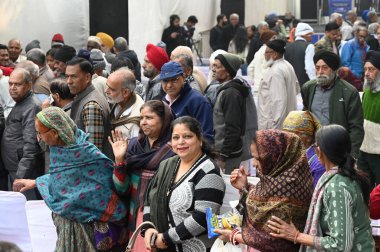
(277, 95)
(256, 69)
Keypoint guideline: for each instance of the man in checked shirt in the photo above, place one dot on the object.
(89, 110)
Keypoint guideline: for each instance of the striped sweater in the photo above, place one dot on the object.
(201, 187)
(371, 110)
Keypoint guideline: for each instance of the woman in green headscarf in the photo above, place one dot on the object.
(78, 188)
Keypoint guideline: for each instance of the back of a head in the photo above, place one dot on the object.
(121, 44)
(120, 62)
(29, 66)
(181, 50)
(37, 56)
(84, 65)
(59, 86)
(8, 247)
(334, 141)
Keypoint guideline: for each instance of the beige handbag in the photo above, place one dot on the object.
(132, 240)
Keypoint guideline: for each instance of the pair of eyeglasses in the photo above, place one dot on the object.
(314, 145)
(172, 80)
(41, 133)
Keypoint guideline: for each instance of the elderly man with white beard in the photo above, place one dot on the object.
(333, 100)
(126, 104)
(369, 156)
(277, 94)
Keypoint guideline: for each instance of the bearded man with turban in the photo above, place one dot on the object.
(333, 100)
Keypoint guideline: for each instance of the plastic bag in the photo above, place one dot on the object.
(219, 246)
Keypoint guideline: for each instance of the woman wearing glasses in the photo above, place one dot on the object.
(338, 218)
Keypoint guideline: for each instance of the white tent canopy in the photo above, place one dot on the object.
(41, 19)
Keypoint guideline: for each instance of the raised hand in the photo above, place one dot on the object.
(119, 145)
(239, 178)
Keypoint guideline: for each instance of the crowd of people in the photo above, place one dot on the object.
(112, 143)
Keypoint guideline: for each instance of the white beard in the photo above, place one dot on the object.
(325, 81)
(372, 85)
(116, 100)
(268, 63)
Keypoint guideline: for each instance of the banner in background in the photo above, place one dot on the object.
(340, 6)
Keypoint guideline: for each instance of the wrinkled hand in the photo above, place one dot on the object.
(159, 242)
(22, 185)
(239, 178)
(148, 236)
(281, 229)
(119, 145)
(225, 234)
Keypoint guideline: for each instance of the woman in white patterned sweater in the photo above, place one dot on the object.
(184, 186)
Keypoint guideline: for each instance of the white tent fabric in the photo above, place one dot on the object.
(13, 221)
(42, 231)
(147, 19)
(41, 19)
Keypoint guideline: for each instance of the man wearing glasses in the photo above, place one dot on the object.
(21, 154)
(353, 56)
(184, 100)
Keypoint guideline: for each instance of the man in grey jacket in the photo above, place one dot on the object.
(21, 154)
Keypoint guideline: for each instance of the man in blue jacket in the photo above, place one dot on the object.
(353, 56)
(184, 100)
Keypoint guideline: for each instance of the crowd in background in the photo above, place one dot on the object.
(110, 141)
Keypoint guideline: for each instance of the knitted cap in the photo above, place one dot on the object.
(277, 45)
(106, 39)
(97, 59)
(83, 53)
(65, 53)
(57, 40)
(156, 55)
(231, 62)
(303, 29)
(34, 44)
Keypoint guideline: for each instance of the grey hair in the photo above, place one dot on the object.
(358, 24)
(372, 14)
(372, 28)
(27, 77)
(234, 15)
(37, 56)
(187, 61)
(334, 16)
(121, 44)
(128, 79)
(261, 25)
(351, 13)
(16, 39)
(29, 66)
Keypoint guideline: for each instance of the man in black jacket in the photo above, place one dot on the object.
(229, 31)
(20, 152)
(122, 51)
(174, 35)
(216, 32)
(3, 173)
